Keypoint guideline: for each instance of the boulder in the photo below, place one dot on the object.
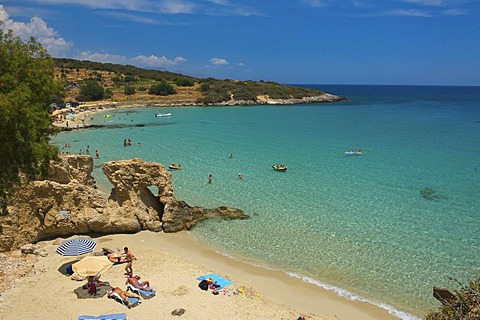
(68, 203)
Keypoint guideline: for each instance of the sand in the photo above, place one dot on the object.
(172, 262)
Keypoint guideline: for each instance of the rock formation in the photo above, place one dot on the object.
(68, 203)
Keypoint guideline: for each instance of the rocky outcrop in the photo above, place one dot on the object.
(69, 203)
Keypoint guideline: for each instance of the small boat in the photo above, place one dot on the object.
(163, 114)
(107, 115)
(279, 167)
(353, 153)
(175, 167)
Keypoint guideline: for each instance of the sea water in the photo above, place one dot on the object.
(384, 226)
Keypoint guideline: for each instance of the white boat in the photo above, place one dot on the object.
(163, 114)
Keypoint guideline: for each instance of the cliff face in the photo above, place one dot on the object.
(69, 203)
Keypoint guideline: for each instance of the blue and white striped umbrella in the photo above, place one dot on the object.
(76, 247)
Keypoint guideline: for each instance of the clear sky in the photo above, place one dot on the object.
(431, 42)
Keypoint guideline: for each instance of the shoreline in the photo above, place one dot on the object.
(104, 106)
(316, 288)
(171, 262)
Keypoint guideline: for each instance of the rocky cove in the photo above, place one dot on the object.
(67, 202)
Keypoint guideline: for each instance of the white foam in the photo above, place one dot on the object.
(344, 293)
(341, 292)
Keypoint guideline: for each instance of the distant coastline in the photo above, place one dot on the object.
(81, 119)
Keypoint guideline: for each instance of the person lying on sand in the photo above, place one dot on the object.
(124, 295)
(134, 280)
(117, 258)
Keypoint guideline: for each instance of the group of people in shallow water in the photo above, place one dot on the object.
(210, 178)
(126, 142)
(131, 279)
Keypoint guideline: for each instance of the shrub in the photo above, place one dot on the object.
(184, 82)
(129, 90)
(90, 91)
(161, 89)
(465, 305)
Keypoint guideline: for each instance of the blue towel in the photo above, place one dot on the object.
(146, 294)
(222, 282)
(119, 316)
(133, 301)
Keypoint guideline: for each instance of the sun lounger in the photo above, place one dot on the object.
(144, 293)
(133, 301)
(118, 316)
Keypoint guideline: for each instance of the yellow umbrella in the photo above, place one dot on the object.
(92, 265)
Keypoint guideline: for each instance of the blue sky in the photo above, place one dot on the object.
(431, 42)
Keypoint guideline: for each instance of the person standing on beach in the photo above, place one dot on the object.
(210, 178)
(129, 257)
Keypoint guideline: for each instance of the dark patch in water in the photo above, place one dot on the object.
(127, 111)
(431, 194)
(126, 125)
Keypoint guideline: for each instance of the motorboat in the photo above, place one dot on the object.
(163, 114)
(353, 153)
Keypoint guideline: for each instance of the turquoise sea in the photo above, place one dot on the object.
(385, 226)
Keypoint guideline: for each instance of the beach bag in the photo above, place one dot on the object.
(203, 285)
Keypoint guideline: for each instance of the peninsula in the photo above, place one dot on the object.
(107, 83)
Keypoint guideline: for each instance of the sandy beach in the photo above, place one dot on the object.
(172, 262)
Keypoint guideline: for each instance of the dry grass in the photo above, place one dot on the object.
(72, 76)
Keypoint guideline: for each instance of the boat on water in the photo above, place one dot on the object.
(175, 167)
(353, 153)
(279, 167)
(107, 115)
(163, 114)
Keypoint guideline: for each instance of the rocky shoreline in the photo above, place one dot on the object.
(68, 203)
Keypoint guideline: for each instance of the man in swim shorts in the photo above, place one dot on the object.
(134, 280)
(124, 295)
(129, 257)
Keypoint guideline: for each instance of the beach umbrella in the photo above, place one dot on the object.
(76, 247)
(92, 265)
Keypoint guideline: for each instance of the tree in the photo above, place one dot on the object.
(463, 303)
(27, 85)
(161, 89)
(129, 89)
(90, 91)
(184, 82)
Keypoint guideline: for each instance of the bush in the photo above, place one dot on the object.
(108, 93)
(204, 87)
(465, 305)
(184, 82)
(216, 97)
(161, 89)
(129, 89)
(90, 91)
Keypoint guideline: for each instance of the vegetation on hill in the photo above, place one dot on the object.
(130, 83)
(464, 305)
(27, 88)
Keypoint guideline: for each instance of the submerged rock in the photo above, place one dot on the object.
(69, 203)
(431, 194)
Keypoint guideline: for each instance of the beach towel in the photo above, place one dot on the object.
(118, 316)
(219, 281)
(144, 293)
(133, 301)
